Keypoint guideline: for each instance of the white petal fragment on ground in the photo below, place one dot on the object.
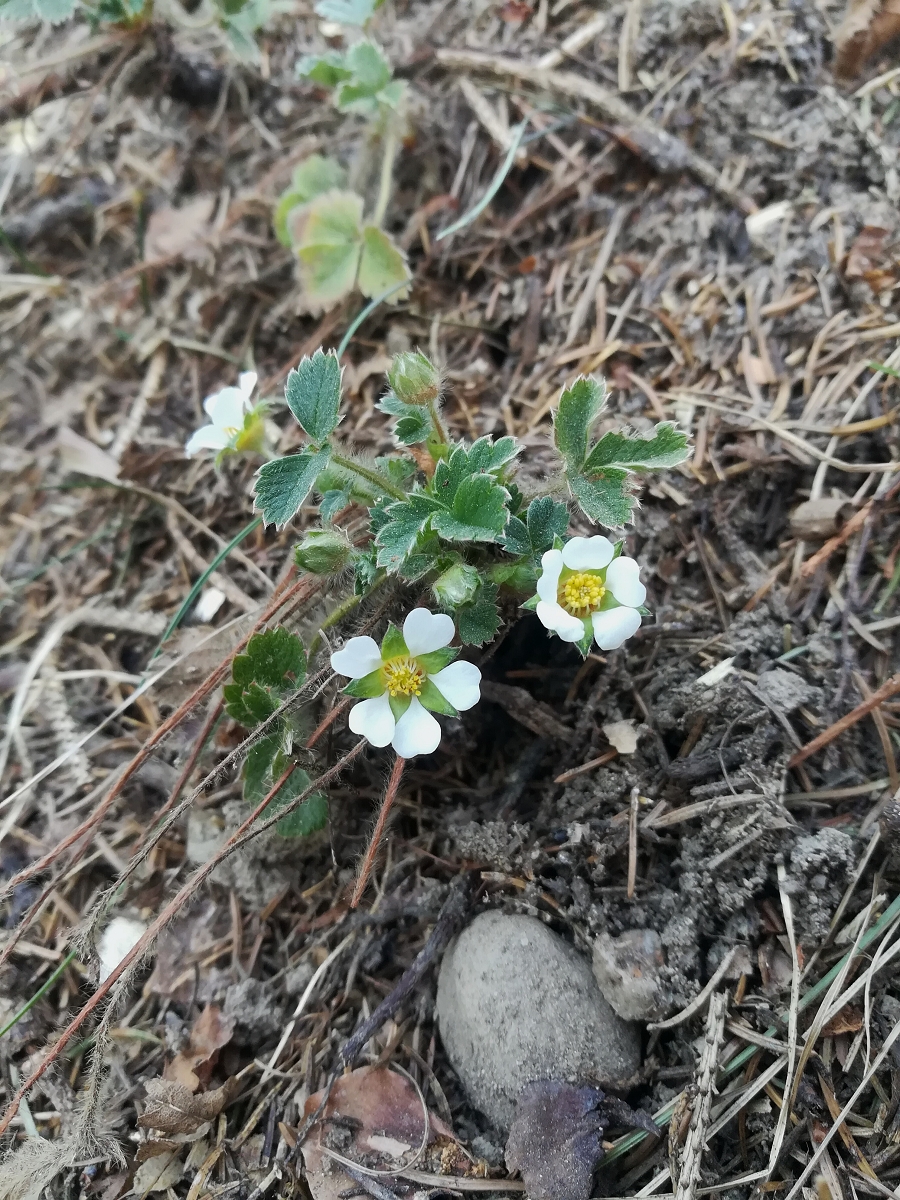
(621, 735)
(460, 683)
(120, 936)
(417, 731)
(615, 626)
(373, 720)
(551, 567)
(424, 631)
(358, 658)
(623, 580)
(555, 618)
(588, 554)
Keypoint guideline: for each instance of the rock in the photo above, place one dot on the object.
(256, 1011)
(628, 970)
(515, 1003)
(821, 518)
(784, 690)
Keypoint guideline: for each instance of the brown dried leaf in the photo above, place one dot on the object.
(848, 1020)
(179, 231)
(870, 259)
(868, 25)
(158, 1174)
(193, 1065)
(172, 1108)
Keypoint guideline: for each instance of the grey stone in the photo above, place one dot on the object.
(516, 1003)
(784, 690)
(629, 970)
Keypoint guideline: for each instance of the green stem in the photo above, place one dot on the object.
(370, 475)
(42, 990)
(391, 145)
(440, 429)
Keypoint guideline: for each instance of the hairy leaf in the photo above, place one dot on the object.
(272, 658)
(284, 483)
(397, 538)
(478, 622)
(604, 498)
(547, 519)
(413, 423)
(308, 817)
(333, 501)
(516, 539)
(487, 455)
(381, 265)
(313, 394)
(579, 407)
(478, 512)
(665, 447)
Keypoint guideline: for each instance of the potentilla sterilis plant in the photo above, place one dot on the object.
(586, 592)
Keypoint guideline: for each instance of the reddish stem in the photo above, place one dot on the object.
(378, 832)
(325, 722)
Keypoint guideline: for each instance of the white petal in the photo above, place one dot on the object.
(588, 554)
(209, 437)
(246, 383)
(555, 618)
(459, 683)
(424, 631)
(373, 720)
(118, 939)
(226, 408)
(359, 657)
(615, 626)
(623, 580)
(551, 566)
(417, 731)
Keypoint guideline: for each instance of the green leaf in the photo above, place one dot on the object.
(313, 394)
(417, 566)
(488, 455)
(326, 235)
(347, 12)
(393, 644)
(516, 539)
(365, 572)
(478, 623)
(367, 687)
(407, 520)
(449, 474)
(332, 502)
(328, 70)
(315, 176)
(273, 658)
(284, 483)
(54, 11)
(381, 265)
(546, 518)
(603, 498)
(579, 407)
(413, 423)
(478, 512)
(257, 771)
(666, 446)
(309, 817)
(434, 700)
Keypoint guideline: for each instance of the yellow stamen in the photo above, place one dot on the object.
(581, 593)
(403, 676)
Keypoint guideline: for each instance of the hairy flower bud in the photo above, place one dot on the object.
(457, 585)
(414, 379)
(323, 552)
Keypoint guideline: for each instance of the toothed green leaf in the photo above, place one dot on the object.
(665, 447)
(313, 394)
(579, 407)
(478, 512)
(546, 519)
(283, 484)
(604, 497)
(381, 265)
(396, 539)
(413, 423)
(478, 623)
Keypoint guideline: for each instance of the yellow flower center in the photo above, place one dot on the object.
(581, 593)
(403, 677)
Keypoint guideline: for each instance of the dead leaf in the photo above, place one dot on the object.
(382, 1112)
(848, 1020)
(622, 736)
(158, 1174)
(77, 453)
(179, 231)
(194, 1064)
(868, 25)
(870, 259)
(172, 1108)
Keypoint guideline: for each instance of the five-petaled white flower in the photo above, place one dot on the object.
(228, 410)
(398, 682)
(585, 590)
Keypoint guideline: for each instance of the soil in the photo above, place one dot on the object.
(750, 311)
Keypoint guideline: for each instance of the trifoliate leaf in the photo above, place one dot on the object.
(488, 455)
(381, 265)
(315, 176)
(516, 539)
(603, 497)
(328, 70)
(284, 483)
(478, 512)
(666, 446)
(347, 12)
(546, 519)
(478, 623)
(407, 520)
(313, 394)
(371, 83)
(413, 423)
(274, 658)
(579, 407)
(326, 237)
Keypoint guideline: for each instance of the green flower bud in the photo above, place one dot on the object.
(323, 552)
(413, 378)
(457, 585)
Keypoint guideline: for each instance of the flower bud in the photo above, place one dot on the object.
(457, 585)
(413, 378)
(323, 552)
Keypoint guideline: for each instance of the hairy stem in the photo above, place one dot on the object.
(384, 485)
(386, 179)
(440, 429)
(378, 832)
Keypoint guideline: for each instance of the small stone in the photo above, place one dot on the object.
(628, 969)
(784, 690)
(515, 1003)
(257, 1013)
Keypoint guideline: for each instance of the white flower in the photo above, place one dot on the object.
(399, 682)
(227, 411)
(584, 591)
(119, 938)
